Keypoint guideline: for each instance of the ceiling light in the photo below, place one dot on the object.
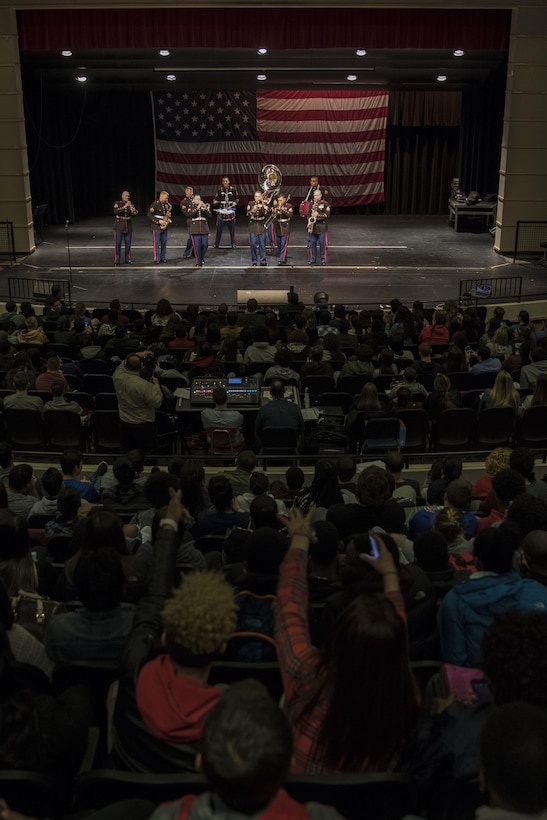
(171, 77)
(66, 53)
(164, 52)
(261, 77)
(361, 52)
(262, 51)
(458, 52)
(351, 77)
(441, 78)
(81, 78)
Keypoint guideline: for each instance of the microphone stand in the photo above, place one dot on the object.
(72, 286)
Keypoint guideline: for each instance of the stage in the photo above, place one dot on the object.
(371, 259)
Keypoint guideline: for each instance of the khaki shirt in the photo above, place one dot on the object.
(137, 398)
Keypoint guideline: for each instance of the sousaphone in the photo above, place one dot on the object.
(269, 182)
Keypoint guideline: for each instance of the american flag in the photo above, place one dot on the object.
(338, 136)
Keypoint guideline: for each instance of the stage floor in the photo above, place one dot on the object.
(371, 259)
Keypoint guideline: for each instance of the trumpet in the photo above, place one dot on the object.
(256, 210)
(199, 205)
(127, 210)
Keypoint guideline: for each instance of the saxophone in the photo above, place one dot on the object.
(312, 219)
(167, 217)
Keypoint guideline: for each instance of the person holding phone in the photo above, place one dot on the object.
(337, 708)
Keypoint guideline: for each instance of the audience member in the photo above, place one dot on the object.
(506, 486)
(486, 362)
(225, 511)
(222, 417)
(538, 367)
(21, 400)
(59, 400)
(138, 400)
(68, 516)
(22, 490)
(502, 394)
(375, 506)
(51, 481)
(98, 630)
(324, 491)
(279, 412)
(336, 710)
(469, 609)
(53, 374)
(71, 462)
(522, 460)
(457, 496)
(239, 478)
(496, 460)
(245, 754)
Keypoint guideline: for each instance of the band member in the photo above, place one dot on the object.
(315, 186)
(317, 228)
(199, 228)
(123, 228)
(256, 211)
(184, 205)
(159, 214)
(282, 224)
(226, 198)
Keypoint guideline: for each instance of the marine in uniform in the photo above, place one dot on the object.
(159, 214)
(226, 198)
(282, 223)
(317, 228)
(256, 212)
(184, 205)
(199, 228)
(123, 228)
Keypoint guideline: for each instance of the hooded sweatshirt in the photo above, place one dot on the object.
(173, 706)
(468, 610)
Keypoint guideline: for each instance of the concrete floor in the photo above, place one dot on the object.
(371, 259)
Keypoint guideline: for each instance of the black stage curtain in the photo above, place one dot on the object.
(482, 126)
(86, 148)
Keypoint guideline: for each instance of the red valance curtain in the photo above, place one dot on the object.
(50, 30)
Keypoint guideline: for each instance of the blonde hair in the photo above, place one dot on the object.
(201, 615)
(497, 460)
(501, 337)
(503, 393)
(449, 523)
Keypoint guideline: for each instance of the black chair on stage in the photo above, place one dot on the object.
(336, 399)
(98, 383)
(105, 431)
(317, 385)
(381, 434)
(416, 424)
(64, 430)
(351, 384)
(533, 430)
(25, 429)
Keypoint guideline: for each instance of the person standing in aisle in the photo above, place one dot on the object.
(226, 198)
(123, 228)
(159, 214)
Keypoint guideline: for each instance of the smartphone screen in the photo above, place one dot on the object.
(366, 543)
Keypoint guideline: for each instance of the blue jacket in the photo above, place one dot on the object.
(468, 610)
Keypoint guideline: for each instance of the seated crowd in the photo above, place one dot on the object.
(346, 581)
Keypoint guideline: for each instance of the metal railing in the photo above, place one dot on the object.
(36, 290)
(503, 287)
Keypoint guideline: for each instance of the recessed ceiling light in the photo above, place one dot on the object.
(66, 53)
(441, 78)
(361, 52)
(164, 52)
(262, 51)
(81, 78)
(458, 52)
(171, 77)
(261, 77)
(352, 77)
